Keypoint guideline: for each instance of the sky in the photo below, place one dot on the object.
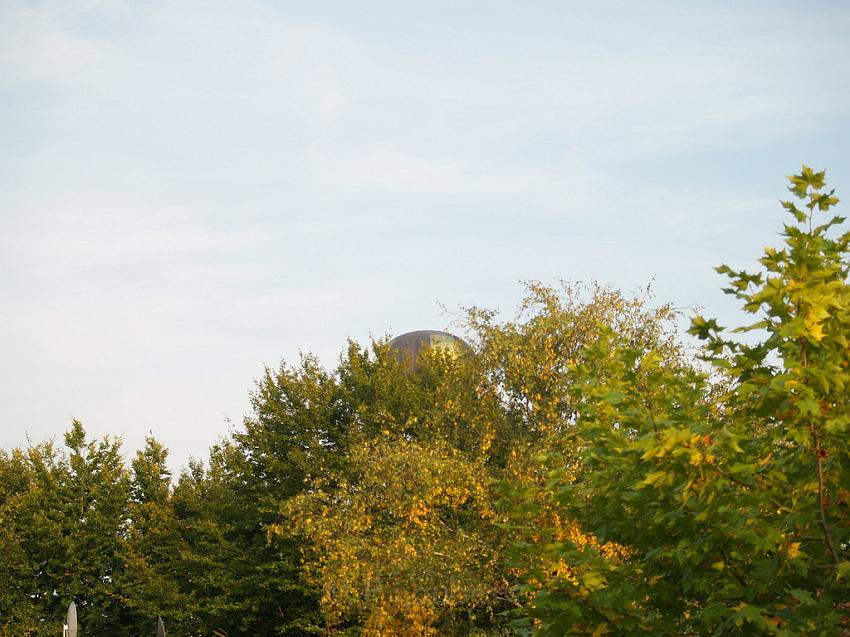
(192, 191)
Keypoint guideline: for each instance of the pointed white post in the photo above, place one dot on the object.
(70, 627)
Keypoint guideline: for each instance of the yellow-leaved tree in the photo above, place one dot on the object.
(400, 520)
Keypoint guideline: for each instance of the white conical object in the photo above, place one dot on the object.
(160, 627)
(71, 621)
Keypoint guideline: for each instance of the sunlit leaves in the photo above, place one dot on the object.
(731, 506)
(414, 521)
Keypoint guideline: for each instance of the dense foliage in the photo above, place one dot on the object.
(730, 502)
(579, 472)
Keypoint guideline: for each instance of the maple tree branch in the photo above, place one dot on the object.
(819, 455)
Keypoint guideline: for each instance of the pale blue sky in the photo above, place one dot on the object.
(191, 190)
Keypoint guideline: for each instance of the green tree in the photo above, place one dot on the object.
(63, 518)
(151, 581)
(728, 510)
(94, 501)
(19, 607)
(399, 518)
(239, 584)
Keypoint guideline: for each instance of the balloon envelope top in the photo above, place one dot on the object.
(407, 347)
(71, 620)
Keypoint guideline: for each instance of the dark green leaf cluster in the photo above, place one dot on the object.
(78, 524)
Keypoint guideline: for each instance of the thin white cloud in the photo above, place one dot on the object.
(192, 190)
